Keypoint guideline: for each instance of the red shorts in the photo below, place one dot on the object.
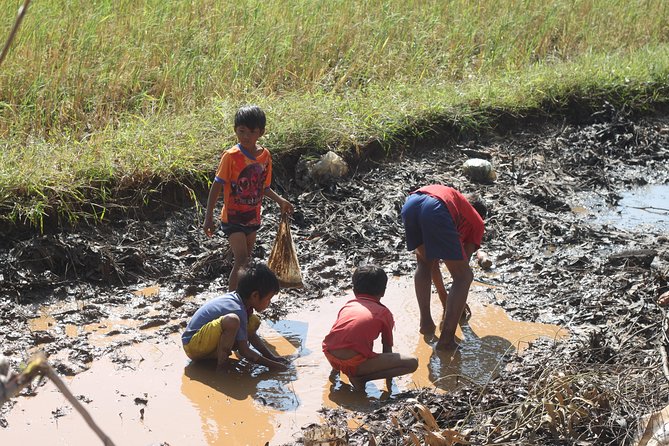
(347, 366)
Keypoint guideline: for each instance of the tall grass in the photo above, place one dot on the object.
(79, 63)
(103, 92)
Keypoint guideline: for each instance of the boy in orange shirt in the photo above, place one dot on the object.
(244, 175)
(348, 346)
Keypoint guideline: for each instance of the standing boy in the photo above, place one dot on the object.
(221, 325)
(440, 223)
(348, 346)
(244, 175)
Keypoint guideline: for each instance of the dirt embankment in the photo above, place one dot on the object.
(553, 264)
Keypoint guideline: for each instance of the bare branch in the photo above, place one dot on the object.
(19, 18)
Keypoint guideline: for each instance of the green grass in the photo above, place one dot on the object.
(100, 96)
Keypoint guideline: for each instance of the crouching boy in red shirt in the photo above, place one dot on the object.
(348, 346)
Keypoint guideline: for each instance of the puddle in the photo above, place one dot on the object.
(42, 323)
(150, 291)
(150, 392)
(643, 208)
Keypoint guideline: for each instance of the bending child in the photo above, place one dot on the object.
(442, 224)
(244, 176)
(349, 345)
(221, 325)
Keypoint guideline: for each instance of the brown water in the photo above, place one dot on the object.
(150, 392)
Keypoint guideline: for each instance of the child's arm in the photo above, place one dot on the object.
(438, 281)
(388, 349)
(257, 342)
(258, 358)
(284, 204)
(214, 192)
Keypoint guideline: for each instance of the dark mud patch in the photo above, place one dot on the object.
(553, 265)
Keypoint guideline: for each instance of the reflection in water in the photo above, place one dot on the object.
(237, 383)
(344, 395)
(646, 207)
(225, 404)
(245, 390)
(477, 360)
(190, 403)
(485, 340)
(293, 331)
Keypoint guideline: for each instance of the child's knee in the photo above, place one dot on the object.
(230, 322)
(253, 324)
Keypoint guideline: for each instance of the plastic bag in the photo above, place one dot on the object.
(283, 258)
(477, 169)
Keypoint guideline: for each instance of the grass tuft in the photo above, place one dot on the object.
(97, 97)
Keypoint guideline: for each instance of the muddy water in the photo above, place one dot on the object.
(645, 207)
(150, 393)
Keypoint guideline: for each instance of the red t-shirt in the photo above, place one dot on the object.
(244, 179)
(358, 324)
(467, 221)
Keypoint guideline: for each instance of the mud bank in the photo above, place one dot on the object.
(555, 262)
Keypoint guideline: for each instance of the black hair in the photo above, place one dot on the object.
(250, 116)
(370, 279)
(256, 277)
(478, 204)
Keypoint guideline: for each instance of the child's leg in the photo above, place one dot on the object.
(229, 326)
(334, 375)
(242, 249)
(423, 287)
(462, 279)
(385, 365)
(438, 281)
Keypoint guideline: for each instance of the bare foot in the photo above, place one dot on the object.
(466, 313)
(464, 317)
(357, 383)
(430, 338)
(334, 376)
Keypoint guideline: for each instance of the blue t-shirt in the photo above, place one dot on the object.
(215, 308)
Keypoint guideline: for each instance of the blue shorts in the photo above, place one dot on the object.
(231, 228)
(427, 222)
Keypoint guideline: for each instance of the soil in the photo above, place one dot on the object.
(555, 263)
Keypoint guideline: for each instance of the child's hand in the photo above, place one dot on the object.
(286, 207)
(286, 360)
(209, 227)
(279, 365)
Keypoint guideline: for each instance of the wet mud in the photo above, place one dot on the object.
(81, 296)
(153, 394)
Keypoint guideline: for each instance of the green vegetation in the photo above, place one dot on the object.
(99, 96)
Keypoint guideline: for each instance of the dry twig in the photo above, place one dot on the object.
(11, 385)
(19, 18)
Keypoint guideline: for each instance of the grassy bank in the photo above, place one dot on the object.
(98, 97)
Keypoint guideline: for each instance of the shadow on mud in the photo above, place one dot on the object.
(477, 360)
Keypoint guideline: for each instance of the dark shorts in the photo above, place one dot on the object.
(427, 222)
(231, 228)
